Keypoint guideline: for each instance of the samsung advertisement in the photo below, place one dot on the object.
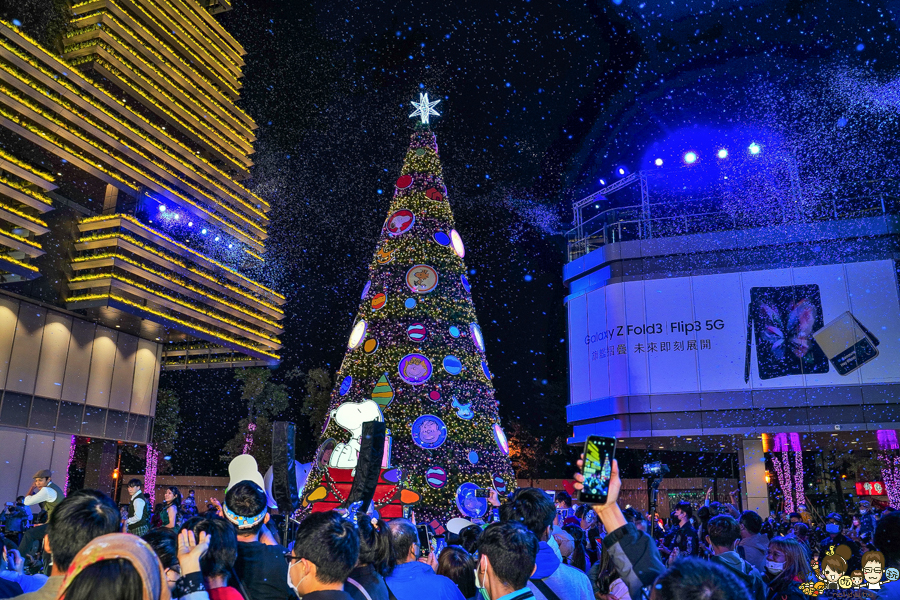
(808, 326)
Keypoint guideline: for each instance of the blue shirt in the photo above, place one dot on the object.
(411, 580)
(524, 592)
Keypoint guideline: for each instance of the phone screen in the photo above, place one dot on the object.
(424, 540)
(598, 456)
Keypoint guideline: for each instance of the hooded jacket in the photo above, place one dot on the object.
(744, 571)
(566, 582)
(755, 549)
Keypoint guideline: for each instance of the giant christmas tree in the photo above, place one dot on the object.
(416, 360)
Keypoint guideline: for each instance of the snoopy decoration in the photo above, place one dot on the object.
(351, 416)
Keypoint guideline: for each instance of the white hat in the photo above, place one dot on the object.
(458, 524)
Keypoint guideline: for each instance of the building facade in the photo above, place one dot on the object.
(129, 242)
(696, 332)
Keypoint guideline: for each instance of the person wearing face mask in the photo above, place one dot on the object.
(867, 520)
(722, 536)
(834, 537)
(507, 553)
(786, 569)
(411, 576)
(326, 549)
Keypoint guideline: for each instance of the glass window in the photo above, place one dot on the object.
(70, 414)
(94, 421)
(115, 425)
(15, 409)
(43, 413)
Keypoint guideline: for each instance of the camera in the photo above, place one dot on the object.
(656, 468)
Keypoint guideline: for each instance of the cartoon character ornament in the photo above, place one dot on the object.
(415, 369)
(351, 416)
(429, 432)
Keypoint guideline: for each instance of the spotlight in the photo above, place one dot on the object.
(622, 171)
(754, 148)
(203, 231)
(723, 153)
(602, 182)
(658, 162)
(690, 157)
(162, 208)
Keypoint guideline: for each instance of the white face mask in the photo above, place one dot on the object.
(290, 582)
(774, 567)
(478, 586)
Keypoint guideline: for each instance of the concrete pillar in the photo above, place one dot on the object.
(101, 463)
(754, 490)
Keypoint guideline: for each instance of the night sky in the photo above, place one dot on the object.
(539, 100)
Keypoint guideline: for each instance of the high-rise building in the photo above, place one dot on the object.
(129, 242)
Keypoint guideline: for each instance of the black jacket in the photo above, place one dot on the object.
(635, 557)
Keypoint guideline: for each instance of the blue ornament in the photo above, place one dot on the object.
(473, 457)
(468, 504)
(429, 432)
(454, 331)
(366, 289)
(345, 385)
(410, 303)
(441, 238)
(465, 283)
(484, 367)
(452, 365)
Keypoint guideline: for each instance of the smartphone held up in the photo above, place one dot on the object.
(599, 453)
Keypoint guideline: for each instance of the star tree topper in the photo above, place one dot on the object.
(424, 108)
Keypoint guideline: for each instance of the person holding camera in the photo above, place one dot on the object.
(16, 520)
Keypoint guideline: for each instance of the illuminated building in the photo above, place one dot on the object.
(122, 211)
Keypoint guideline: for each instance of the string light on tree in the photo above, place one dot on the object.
(416, 361)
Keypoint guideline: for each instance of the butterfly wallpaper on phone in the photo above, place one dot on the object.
(790, 330)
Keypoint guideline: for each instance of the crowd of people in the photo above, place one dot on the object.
(538, 546)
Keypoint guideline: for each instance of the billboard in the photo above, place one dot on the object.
(781, 328)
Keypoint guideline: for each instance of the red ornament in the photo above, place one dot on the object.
(433, 194)
(404, 182)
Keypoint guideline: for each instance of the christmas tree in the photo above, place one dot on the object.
(416, 361)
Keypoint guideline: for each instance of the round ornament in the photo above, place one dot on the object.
(468, 504)
(420, 152)
(357, 335)
(434, 395)
(422, 279)
(414, 369)
(473, 457)
(378, 300)
(499, 484)
(454, 331)
(370, 346)
(500, 436)
(345, 385)
(475, 330)
(366, 289)
(441, 238)
(417, 332)
(429, 432)
(457, 243)
(392, 475)
(404, 181)
(487, 372)
(452, 365)
(436, 477)
(410, 303)
(465, 283)
(400, 222)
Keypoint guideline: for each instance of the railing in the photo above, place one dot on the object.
(624, 224)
